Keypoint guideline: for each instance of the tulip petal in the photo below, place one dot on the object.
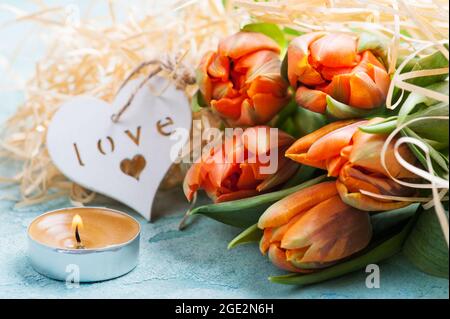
(261, 139)
(282, 211)
(335, 50)
(219, 67)
(248, 115)
(298, 64)
(303, 144)
(278, 257)
(296, 254)
(274, 86)
(330, 73)
(335, 164)
(367, 203)
(380, 77)
(228, 107)
(259, 63)
(303, 159)
(243, 43)
(339, 88)
(367, 149)
(223, 90)
(357, 179)
(247, 179)
(364, 93)
(203, 80)
(368, 58)
(244, 193)
(192, 181)
(278, 232)
(267, 106)
(264, 243)
(332, 143)
(332, 230)
(282, 175)
(313, 100)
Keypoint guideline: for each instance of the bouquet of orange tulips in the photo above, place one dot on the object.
(355, 181)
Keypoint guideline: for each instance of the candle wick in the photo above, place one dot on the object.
(78, 238)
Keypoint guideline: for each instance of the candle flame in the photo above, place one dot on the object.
(77, 221)
(77, 224)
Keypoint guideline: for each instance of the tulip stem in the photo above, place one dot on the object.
(184, 221)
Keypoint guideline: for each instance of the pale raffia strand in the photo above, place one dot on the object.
(95, 56)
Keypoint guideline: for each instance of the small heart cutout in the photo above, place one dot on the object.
(133, 167)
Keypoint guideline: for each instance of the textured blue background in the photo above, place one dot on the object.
(190, 264)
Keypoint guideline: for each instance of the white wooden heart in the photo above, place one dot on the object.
(126, 160)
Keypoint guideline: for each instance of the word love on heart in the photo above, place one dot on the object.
(127, 159)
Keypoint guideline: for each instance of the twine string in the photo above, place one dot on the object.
(178, 73)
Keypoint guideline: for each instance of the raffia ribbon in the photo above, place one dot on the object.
(438, 185)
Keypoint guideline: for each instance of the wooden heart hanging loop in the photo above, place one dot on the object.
(179, 74)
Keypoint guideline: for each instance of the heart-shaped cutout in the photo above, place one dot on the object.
(133, 167)
(93, 151)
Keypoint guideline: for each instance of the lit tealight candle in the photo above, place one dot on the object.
(99, 243)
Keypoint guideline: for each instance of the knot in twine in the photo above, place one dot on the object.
(177, 72)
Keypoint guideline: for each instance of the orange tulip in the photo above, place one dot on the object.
(354, 157)
(235, 169)
(241, 81)
(321, 64)
(312, 229)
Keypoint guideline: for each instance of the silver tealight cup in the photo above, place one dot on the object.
(108, 247)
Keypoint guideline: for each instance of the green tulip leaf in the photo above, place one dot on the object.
(250, 235)
(298, 121)
(284, 69)
(431, 129)
(384, 127)
(384, 221)
(285, 113)
(290, 128)
(425, 247)
(375, 43)
(414, 99)
(245, 212)
(428, 128)
(307, 121)
(271, 30)
(434, 154)
(197, 102)
(292, 33)
(373, 255)
(435, 60)
(341, 111)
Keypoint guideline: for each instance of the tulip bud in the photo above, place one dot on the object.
(243, 166)
(355, 158)
(324, 64)
(241, 81)
(313, 228)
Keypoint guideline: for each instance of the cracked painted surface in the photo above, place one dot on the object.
(190, 264)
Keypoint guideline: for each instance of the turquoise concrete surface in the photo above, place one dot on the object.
(190, 264)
